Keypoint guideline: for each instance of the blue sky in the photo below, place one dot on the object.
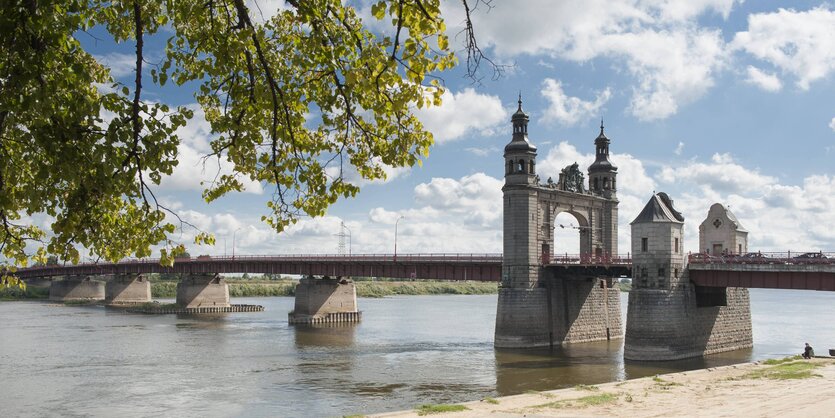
(707, 100)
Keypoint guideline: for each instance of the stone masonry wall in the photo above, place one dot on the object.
(127, 290)
(318, 297)
(203, 291)
(563, 311)
(667, 325)
(521, 318)
(583, 311)
(76, 289)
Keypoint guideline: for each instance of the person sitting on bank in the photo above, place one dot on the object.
(808, 351)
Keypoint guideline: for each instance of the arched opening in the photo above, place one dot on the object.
(567, 231)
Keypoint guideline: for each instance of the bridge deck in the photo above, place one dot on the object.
(478, 267)
(768, 271)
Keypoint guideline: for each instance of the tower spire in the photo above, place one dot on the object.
(601, 126)
(520, 100)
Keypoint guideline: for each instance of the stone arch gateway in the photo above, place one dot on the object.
(539, 306)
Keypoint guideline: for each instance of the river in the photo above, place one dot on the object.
(83, 361)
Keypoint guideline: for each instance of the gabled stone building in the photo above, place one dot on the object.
(721, 233)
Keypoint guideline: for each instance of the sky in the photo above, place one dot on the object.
(707, 100)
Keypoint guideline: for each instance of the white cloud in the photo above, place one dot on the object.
(120, 64)
(461, 114)
(798, 43)
(682, 10)
(262, 10)
(569, 110)
(632, 176)
(722, 175)
(350, 174)
(832, 124)
(194, 172)
(766, 81)
(449, 215)
(483, 151)
(658, 42)
(673, 67)
(779, 217)
(680, 148)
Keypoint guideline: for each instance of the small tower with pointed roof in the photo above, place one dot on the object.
(657, 253)
(602, 173)
(519, 153)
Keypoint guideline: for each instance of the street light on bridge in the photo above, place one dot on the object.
(395, 236)
(233, 241)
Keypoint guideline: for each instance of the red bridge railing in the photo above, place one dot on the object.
(588, 259)
(788, 257)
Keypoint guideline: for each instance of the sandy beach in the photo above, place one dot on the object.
(742, 390)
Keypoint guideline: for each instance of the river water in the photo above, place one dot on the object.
(82, 361)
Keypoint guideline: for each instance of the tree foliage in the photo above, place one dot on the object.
(293, 101)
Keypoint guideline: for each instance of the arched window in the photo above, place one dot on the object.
(532, 167)
(606, 183)
(521, 166)
(596, 184)
(509, 169)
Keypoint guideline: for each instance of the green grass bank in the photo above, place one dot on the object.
(365, 289)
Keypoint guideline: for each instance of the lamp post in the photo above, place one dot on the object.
(395, 236)
(233, 241)
(349, 238)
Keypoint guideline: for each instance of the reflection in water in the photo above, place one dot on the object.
(325, 335)
(544, 369)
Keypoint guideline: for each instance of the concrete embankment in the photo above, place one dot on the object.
(794, 388)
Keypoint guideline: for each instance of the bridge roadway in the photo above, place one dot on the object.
(771, 271)
(478, 267)
(807, 271)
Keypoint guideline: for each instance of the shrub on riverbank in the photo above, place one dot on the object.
(31, 292)
(382, 289)
(364, 289)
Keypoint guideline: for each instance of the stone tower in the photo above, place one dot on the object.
(657, 254)
(722, 233)
(668, 317)
(538, 305)
(520, 268)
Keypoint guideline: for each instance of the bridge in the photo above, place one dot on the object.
(768, 270)
(432, 266)
(801, 271)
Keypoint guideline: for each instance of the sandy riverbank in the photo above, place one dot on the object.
(731, 391)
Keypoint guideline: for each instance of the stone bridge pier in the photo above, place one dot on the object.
(326, 300)
(76, 288)
(203, 291)
(669, 317)
(127, 289)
